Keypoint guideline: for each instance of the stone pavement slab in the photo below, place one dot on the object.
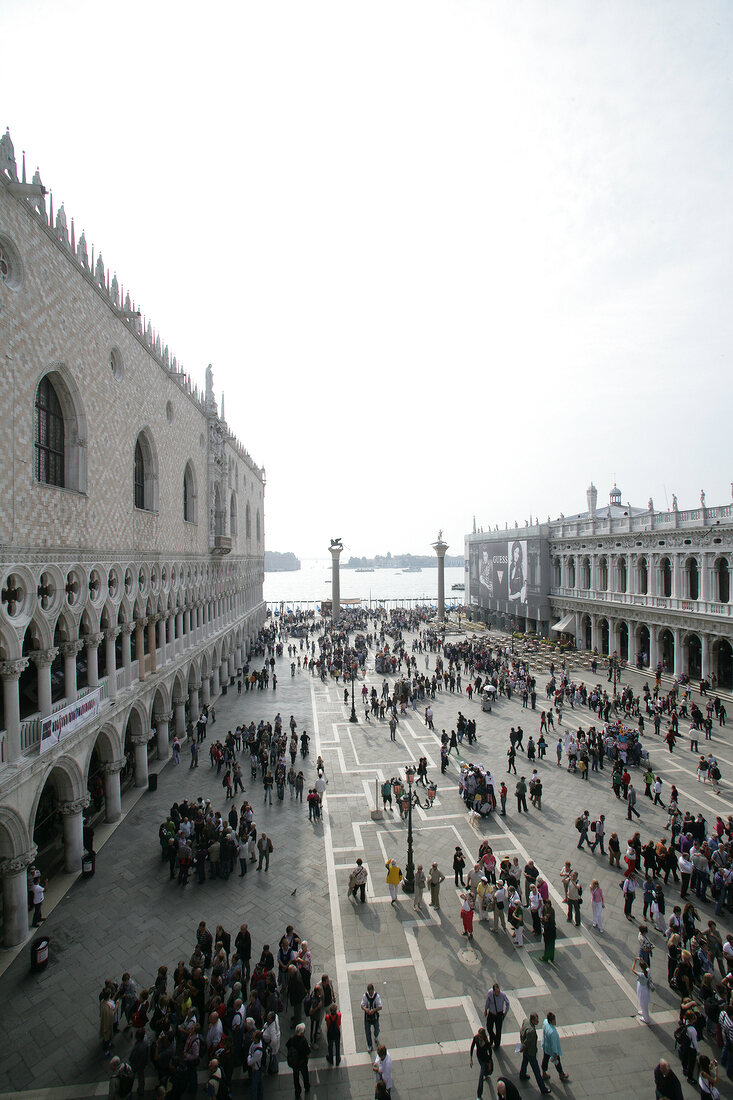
(433, 986)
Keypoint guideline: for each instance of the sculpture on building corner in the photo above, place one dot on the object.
(7, 156)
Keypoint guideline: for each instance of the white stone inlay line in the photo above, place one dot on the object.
(342, 973)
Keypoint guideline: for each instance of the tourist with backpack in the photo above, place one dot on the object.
(122, 1079)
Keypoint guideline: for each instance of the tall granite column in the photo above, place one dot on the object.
(335, 549)
(440, 548)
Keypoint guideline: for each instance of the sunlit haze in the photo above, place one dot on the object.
(446, 259)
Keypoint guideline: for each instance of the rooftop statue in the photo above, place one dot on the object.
(7, 157)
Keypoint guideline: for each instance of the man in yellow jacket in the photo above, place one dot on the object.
(394, 877)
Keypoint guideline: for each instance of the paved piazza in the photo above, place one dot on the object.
(432, 983)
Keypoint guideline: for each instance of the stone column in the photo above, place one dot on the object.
(705, 584)
(162, 722)
(440, 548)
(676, 577)
(223, 678)
(110, 636)
(71, 813)
(653, 649)
(140, 742)
(112, 792)
(193, 701)
(152, 657)
(179, 630)
(612, 636)
(93, 642)
(594, 632)
(161, 619)
(14, 873)
(69, 651)
(126, 630)
(678, 654)
(140, 625)
(707, 655)
(179, 709)
(43, 659)
(216, 685)
(335, 548)
(206, 691)
(11, 672)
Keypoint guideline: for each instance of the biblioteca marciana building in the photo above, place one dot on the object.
(132, 541)
(652, 587)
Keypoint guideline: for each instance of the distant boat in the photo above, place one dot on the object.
(458, 587)
(363, 570)
(413, 569)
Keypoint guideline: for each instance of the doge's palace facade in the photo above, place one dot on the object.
(131, 535)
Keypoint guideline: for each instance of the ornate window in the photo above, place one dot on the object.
(622, 574)
(11, 268)
(233, 515)
(665, 576)
(139, 476)
(258, 527)
(190, 502)
(50, 435)
(723, 574)
(247, 522)
(145, 475)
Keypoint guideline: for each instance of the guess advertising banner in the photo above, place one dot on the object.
(498, 571)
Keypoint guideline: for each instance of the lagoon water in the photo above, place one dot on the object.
(312, 583)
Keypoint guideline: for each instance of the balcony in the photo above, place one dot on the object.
(222, 545)
(638, 599)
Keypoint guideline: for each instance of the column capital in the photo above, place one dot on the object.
(93, 641)
(163, 716)
(14, 864)
(142, 622)
(141, 738)
(11, 670)
(75, 806)
(127, 628)
(44, 658)
(156, 618)
(70, 649)
(194, 687)
(112, 767)
(112, 632)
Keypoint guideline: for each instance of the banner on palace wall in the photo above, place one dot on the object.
(63, 722)
(499, 571)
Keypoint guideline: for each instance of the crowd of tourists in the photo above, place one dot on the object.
(222, 1010)
(220, 1016)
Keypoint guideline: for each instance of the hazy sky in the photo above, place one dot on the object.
(446, 258)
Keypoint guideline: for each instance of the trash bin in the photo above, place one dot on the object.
(39, 953)
(88, 864)
(153, 781)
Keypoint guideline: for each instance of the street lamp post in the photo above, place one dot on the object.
(613, 662)
(408, 882)
(412, 799)
(353, 717)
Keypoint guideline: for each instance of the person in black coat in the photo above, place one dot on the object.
(299, 1050)
(666, 1082)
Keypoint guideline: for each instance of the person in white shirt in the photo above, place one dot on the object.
(383, 1067)
(37, 896)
